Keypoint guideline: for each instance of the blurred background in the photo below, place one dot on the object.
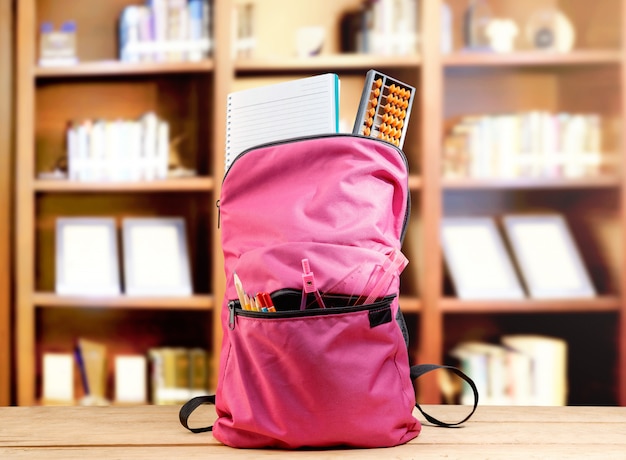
(113, 126)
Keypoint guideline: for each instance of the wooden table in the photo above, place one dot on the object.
(154, 432)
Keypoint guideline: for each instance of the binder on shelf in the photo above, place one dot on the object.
(477, 259)
(86, 256)
(165, 271)
(546, 253)
(301, 107)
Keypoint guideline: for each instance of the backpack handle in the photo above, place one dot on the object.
(189, 407)
(421, 369)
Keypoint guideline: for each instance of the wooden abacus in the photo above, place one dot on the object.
(384, 108)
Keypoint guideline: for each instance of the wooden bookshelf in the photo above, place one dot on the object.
(6, 164)
(186, 94)
(591, 78)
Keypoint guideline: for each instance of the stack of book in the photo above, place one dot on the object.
(165, 30)
(528, 370)
(118, 150)
(386, 27)
(528, 144)
(177, 374)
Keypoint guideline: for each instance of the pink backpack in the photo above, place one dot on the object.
(317, 223)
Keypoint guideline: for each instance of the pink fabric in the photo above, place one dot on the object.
(341, 202)
(315, 381)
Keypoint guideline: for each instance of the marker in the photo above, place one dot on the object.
(267, 301)
(261, 302)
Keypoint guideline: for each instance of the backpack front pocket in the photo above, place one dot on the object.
(339, 369)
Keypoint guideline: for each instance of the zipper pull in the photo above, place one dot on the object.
(219, 213)
(231, 317)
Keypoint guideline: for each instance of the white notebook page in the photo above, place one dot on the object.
(302, 107)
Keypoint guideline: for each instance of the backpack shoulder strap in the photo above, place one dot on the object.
(421, 369)
(189, 407)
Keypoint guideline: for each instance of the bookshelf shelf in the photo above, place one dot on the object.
(190, 184)
(415, 182)
(195, 302)
(336, 62)
(532, 58)
(595, 305)
(410, 304)
(533, 183)
(114, 67)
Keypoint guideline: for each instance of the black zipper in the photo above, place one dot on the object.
(235, 309)
(407, 213)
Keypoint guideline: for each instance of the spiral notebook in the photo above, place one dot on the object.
(302, 107)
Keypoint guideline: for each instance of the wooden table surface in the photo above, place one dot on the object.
(154, 432)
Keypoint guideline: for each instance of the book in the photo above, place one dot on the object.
(302, 107)
(92, 357)
(159, 26)
(118, 150)
(198, 372)
(58, 378)
(548, 378)
(385, 27)
(244, 38)
(130, 379)
(527, 144)
(177, 27)
(198, 26)
(170, 375)
(177, 374)
(129, 32)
